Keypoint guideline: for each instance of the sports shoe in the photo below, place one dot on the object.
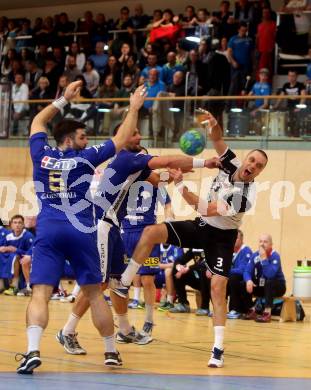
(134, 304)
(128, 338)
(264, 317)
(11, 291)
(58, 295)
(25, 292)
(180, 308)
(113, 359)
(144, 337)
(233, 315)
(250, 315)
(70, 343)
(69, 299)
(118, 288)
(165, 306)
(29, 362)
(202, 312)
(217, 359)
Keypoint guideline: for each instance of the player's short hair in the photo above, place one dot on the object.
(65, 128)
(17, 216)
(259, 151)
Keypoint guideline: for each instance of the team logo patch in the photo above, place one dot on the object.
(61, 164)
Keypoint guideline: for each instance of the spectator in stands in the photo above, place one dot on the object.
(292, 88)
(123, 23)
(114, 69)
(108, 90)
(42, 91)
(91, 77)
(202, 23)
(19, 92)
(46, 35)
(193, 276)
(86, 25)
(72, 70)
(125, 53)
(64, 29)
(75, 51)
(124, 92)
(52, 72)
(99, 32)
(152, 61)
(59, 56)
(261, 88)
(265, 40)
(241, 256)
(37, 26)
(132, 69)
(32, 75)
(244, 12)
(25, 55)
(240, 51)
(177, 88)
(181, 55)
(42, 55)
(167, 28)
(61, 86)
(196, 71)
(100, 58)
(139, 21)
(188, 15)
(223, 21)
(6, 65)
(24, 31)
(17, 67)
(170, 68)
(154, 85)
(10, 35)
(144, 52)
(263, 277)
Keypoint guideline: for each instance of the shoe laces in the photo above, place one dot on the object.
(73, 341)
(20, 356)
(217, 353)
(147, 328)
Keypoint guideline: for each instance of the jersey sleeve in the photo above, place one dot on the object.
(140, 163)
(38, 146)
(97, 154)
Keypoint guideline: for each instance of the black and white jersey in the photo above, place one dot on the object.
(239, 196)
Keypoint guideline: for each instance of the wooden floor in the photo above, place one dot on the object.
(181, 346)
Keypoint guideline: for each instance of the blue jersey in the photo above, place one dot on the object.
(240, 260)
(3, 233)
(142, 206)
(113, 189)
(63, 178)
(170, 253)
(242, 49)
(261, 89)
(23, 242)
(267, 269)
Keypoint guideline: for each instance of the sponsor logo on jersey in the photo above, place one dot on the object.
(58, 164)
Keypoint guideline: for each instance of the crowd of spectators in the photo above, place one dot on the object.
(220, 50)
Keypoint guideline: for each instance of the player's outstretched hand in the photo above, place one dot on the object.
(206, 119)
(176, 175)
(138, 97)
(212, 163)
(73, 90)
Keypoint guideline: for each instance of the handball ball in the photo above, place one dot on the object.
(192, 142)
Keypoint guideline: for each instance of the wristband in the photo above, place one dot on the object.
(60, 103)
(198, 163)
(180, 187)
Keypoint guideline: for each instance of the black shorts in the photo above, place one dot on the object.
(218, 244)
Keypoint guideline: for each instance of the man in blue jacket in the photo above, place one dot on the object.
(264, 278)
(241, 256)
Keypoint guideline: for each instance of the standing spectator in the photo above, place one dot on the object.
(20, 91)
(24, 31)
(170, 68)
(263, 277)
(113, 68)
(244, 12)
(177, 88)
(91, 77)
(76, 52)
(152, 61)
(10, 36)
(223, 21)
(123, 23)
(139, 20)
(86, 25)
(64, 29)
(6, 66)
(265, 40)
(240, 49)
(46, 34)
(100, 58)
(196, 71)
(241, 256)
(166, 28)
(33, 73)
(72, 70)
(100, 29)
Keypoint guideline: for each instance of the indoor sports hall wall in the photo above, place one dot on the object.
(283, 205)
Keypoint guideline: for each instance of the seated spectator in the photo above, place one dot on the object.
(170, 68)
(100, 58)
(152, 64)
(114, 69)
(86, 25)
(17, 67)
(78, 54)
(61, 86)
(181, 55)
(241, 256)
(261, 88)
(132, 69)
(20, 91)
(193, 276)
(125, 53)
(42, 55)
(122, 23)
(177, 88)
(52, 72)
(202, 24)
(124, 92)
(108, 90)
(144, 52)
(16, 245)
(154, 86)
(196, 71)
(60, 56)
(264, 278)
(42, 91)
(240, 50)
(10, 35)
(6, 65)
(72, 70)
(91, 77)
(24, 31)
(64, 29)
(99, 32)
(166, 28)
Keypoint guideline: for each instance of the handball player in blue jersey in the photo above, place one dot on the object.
(65, 226)
(119, 182)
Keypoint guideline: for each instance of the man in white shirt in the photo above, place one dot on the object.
(20, 91)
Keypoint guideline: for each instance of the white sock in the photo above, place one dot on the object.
(28, 286)
(124, 325)
(110, 343)
(76, 290)
(130, 272)
(149, 313)
(219, 334)
(136, 293)
(71, 324)
(170, 298)
(34, 334)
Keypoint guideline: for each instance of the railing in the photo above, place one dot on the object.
(169, 117)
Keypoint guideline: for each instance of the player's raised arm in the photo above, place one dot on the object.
(40, 121)
(129, 124)
(183, 162)
(215, 133)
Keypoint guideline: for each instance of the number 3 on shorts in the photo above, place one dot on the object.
(219, 263)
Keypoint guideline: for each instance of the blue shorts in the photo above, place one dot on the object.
(7, 261)
(113, 260)
(151, 265)
(68, 272)
(58, 241)
(160, 279)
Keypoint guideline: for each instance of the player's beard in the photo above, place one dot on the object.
(134, 148)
